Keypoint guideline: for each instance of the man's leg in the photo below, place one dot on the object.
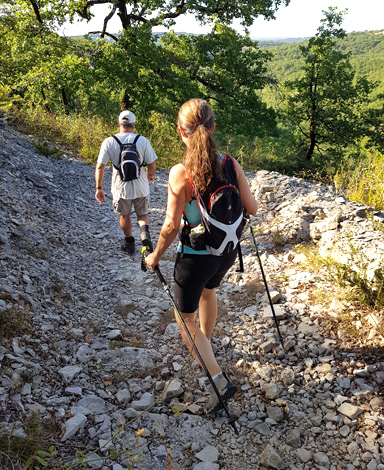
(126, 225)
(128, 244)
(143, 222)
(122, 207)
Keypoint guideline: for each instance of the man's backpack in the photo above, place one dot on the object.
(129, 160)
(222, 216)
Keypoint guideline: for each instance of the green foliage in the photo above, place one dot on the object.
(167, 142)
(7, 98)
(40, 456)
(364, 181)
(366, 288)
(46, 149)
(362, 284)
(82, 84)
(156, 13)
(325, 103)
(227, 70)
(32, 450)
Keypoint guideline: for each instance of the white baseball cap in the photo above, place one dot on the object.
(126, 118)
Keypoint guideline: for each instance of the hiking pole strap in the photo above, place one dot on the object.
(166, 288)
(265, 281)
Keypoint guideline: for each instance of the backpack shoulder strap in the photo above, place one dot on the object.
(120, 145)
(117, 140)
(230, 169)
(134, 142)
(195, 193)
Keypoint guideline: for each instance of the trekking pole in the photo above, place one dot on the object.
(240, 255)
(265, 280)
(167, 290)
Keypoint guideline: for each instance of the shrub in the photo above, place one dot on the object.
(364, 183)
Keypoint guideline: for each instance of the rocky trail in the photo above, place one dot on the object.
(99, 344)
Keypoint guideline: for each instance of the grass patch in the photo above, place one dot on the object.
(83, 135)
(47, 149)
(252, 286)
(164, 320)
(352, 293)
(14, 321)
(364, 183)
(34, 449)
(362, 285)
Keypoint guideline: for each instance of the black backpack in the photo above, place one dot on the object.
(129, 160)
(222, 215)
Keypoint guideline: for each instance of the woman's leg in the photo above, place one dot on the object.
(208, 311)
(201, 341)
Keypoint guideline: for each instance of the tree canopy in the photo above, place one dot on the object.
(158, 12)
(325, 103)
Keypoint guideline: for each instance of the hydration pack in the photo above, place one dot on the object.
(222, 216)
(129, 160)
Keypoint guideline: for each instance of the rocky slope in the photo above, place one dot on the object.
(100, 345)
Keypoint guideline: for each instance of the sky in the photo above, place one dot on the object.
(300, 18)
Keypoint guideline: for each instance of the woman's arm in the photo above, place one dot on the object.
(177, 198)
(249, 202)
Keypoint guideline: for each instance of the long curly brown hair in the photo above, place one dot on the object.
(200, 159)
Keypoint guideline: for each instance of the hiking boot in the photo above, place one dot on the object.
(146, 241)
(225, 387)
(128, 245)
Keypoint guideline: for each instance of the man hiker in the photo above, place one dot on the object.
(129, 191)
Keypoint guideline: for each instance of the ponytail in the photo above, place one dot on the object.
(196, 119)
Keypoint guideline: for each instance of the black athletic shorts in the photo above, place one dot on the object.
(194, 272)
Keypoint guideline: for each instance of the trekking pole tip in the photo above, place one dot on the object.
(232, 422)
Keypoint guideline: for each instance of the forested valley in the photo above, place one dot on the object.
(311, 108)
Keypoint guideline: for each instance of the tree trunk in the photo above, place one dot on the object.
(126, 102)
(36, 11)
(311, 146)
(46, 106)
(64, 100)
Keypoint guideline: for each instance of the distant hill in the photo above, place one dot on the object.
(367, 58)
(269, 42)
(263, 41)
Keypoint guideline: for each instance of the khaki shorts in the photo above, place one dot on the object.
(124, 206)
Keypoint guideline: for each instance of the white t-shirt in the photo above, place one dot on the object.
(110, 150)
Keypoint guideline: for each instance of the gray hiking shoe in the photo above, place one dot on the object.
(225, 387)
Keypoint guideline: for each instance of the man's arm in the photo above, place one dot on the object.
(99, 177)
(151, 169)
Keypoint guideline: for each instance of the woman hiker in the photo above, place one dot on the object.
(198, 273)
